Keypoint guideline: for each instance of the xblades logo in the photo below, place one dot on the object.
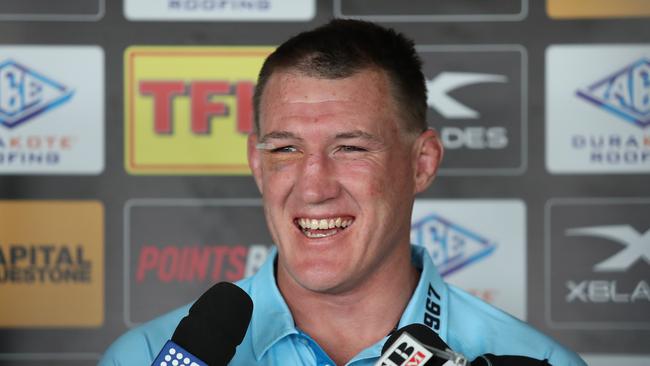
(438, 90)
(637, 246)
(626, 93)
(25, 93)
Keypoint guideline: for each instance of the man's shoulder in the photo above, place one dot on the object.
(140, 345)
(477, 327)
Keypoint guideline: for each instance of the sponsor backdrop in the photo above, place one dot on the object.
(125, 192)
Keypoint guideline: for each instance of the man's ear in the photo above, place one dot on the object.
(428, 152)
(254, 162)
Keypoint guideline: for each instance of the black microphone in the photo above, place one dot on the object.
(417, 344)
(443, 355)
(489, 359)
(215, 326)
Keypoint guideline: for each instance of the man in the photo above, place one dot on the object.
(340, 149)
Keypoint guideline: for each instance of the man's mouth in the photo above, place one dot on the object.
(323, 227)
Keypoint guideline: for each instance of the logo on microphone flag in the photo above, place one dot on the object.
(405, 351)
(174, 355)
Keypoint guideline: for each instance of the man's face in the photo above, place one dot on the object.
(336, 175)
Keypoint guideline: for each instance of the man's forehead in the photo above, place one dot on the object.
(294, 94)
(297, 86)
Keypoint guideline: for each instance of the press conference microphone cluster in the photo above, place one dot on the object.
(210, 333)
(418, 345)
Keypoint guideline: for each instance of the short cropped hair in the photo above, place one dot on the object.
(343, 47)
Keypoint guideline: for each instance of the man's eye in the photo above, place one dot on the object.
(350, 148)
(284, 149)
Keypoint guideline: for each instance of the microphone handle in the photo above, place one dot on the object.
(174, 355)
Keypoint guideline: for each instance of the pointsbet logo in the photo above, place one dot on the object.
(188, 110)
(199, 263)
(51, 263)
(177, 248)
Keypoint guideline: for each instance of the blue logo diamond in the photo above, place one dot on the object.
(25, 93)
(451, 246)
(625, 93)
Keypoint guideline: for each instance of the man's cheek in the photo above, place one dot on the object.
(279, 162)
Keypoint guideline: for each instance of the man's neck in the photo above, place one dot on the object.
(344, 324)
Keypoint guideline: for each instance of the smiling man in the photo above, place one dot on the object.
(340, 149)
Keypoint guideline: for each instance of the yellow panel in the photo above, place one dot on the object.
(182, 149)
(597, 8)
(51, 264)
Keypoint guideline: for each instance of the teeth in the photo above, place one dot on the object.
(311, 234)
(324, 224)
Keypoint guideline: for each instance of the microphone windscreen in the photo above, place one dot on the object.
(216, 324)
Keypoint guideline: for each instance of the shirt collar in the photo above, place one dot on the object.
(424, 307)
(428, 306)
(272, 319)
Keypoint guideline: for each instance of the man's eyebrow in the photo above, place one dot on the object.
(357, 134)
(279, 135)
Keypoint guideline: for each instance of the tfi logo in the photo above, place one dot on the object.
(626, 93)
(25, 93)
(202, 105)
(598, 254)
(188, 110)
(451, 246)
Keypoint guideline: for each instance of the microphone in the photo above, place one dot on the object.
(441, 355)
(209, 334)
(415, 345)
(489, 359)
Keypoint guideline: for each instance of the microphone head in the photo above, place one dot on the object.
(423, 334)
(216, 324)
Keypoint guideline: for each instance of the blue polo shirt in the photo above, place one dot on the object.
(467, 324)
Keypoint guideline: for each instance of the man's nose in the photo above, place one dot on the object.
(317, 182)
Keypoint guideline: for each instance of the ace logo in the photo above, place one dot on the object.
(598, 109)
(25, 93)
(51, 110)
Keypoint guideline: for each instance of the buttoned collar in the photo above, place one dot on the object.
(272, 319)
